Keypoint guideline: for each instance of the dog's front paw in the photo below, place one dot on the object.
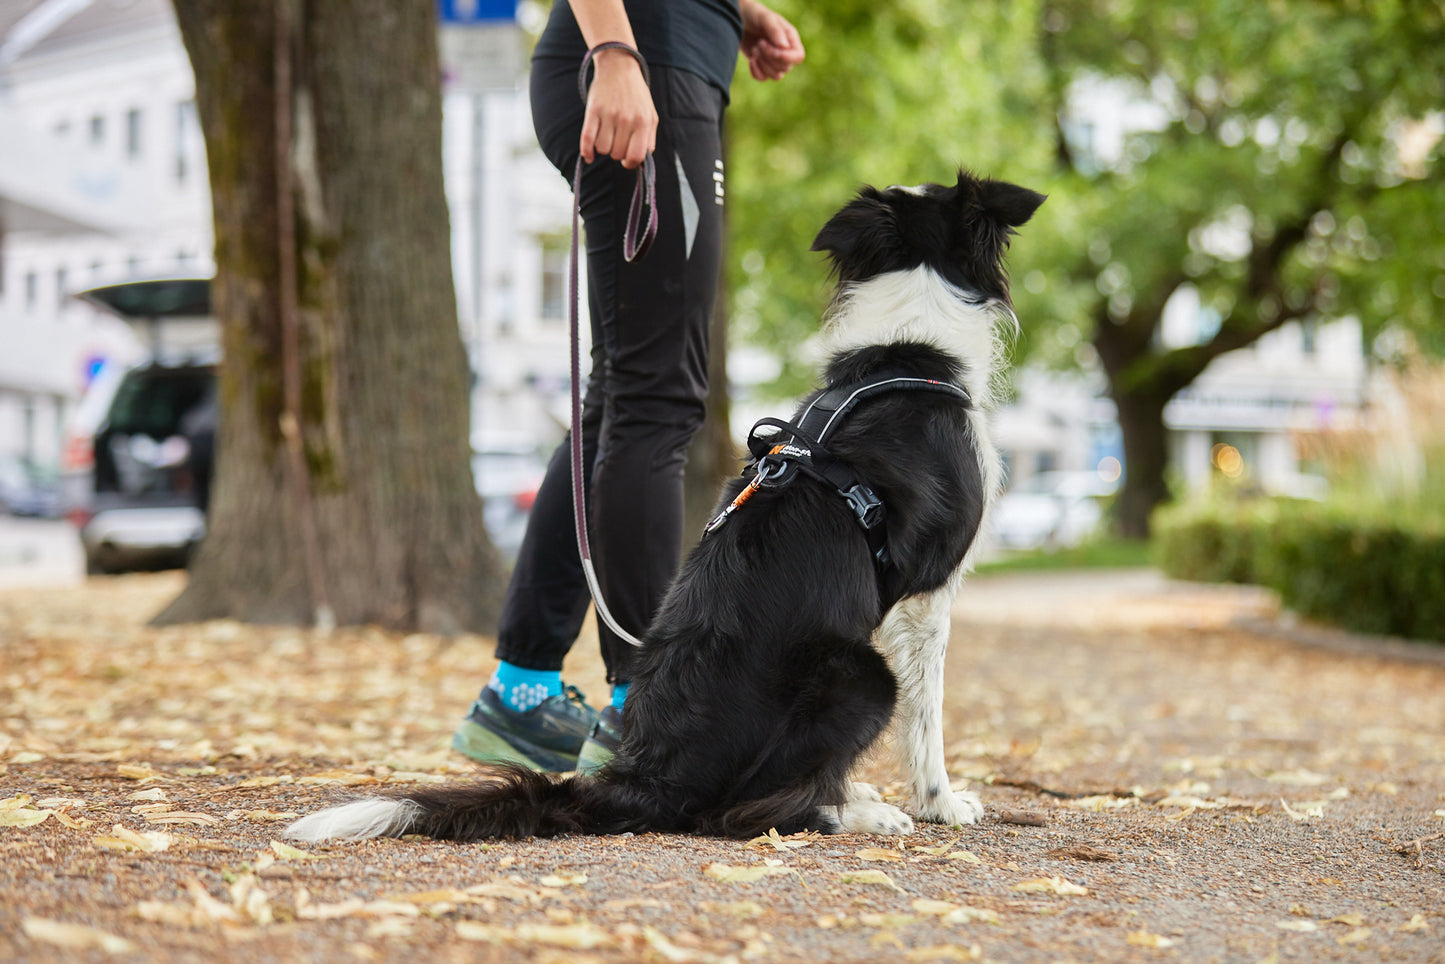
(874, 816)
(864, 791)
(951, 807)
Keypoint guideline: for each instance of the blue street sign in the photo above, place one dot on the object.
(480, 12)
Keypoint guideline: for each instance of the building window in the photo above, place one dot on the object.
(554, 279)
(185, 124)
(1309, 337)
(97, 130)
(32, 290)
(133, 133)
(62, 289)
(62, 128)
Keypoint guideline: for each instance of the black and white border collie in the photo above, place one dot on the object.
(783, 650)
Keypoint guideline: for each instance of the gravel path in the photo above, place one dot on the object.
(1173, 772)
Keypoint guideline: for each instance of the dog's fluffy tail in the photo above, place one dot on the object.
(514, 803)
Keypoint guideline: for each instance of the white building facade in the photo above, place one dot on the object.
(103, 93)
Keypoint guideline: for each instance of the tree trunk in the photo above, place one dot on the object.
(382, 408)
(1146, 455)
(712, 457)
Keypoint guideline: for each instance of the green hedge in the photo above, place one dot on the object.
(1368, 575)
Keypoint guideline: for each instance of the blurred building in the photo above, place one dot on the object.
(103, 178)
(1255, 416)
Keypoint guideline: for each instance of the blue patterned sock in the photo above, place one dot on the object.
(523, 689)
(619, 694)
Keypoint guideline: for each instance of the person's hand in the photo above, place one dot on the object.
(770, 42)
(621, 120)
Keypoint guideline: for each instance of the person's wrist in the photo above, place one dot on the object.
(612, 57)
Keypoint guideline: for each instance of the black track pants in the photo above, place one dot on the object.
(645, 397)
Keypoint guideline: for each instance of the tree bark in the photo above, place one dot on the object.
(1146, 455)
(382, 413)
(712, 457)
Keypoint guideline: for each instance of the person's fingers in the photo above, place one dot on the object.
(635, 151)
(588, 145)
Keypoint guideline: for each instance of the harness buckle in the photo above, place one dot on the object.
(865, 505)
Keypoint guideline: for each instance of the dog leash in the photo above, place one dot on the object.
(634, 247)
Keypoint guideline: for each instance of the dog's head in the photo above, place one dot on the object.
(960, 232)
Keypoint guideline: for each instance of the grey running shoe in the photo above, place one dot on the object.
(602, 742)
(546, 737)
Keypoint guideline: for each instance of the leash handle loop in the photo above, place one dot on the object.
(635, 245)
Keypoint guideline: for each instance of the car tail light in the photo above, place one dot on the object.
(79, 454)
(524, 500)
(78, 516)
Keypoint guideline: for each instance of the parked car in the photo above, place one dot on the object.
(137, 465)
(1051, 510)
(507, 473)
(140, 481)
(28, 490)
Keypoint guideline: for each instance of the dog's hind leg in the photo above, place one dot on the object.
(914, 635)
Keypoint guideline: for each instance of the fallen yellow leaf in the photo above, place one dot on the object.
(389, 927)
(790, 842)
(1302, 816)
(23, 818)
(564, 878)
(74, 823)
(123, 838)
(938, 851)
(1417, 923)
(180, 816)
(356, 907)
(1298, 926)
(287, 852)
(1357, 936)
(878, 853)
(665, 948)
(581, 936)
(1052, 885)
(1142, 938)
(935, 907)
(743, 875)
(877, 877)
(65, 934)
(945, 952)
(344, 778)
(470, 930)
(153, 795)
(133, 772)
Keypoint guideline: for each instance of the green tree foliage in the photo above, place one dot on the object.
(897, 93)
(1282, 157)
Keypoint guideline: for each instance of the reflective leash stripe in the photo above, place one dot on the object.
(634, 247)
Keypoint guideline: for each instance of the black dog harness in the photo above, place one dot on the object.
(779, 457)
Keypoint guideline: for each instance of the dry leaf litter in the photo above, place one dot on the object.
(1203, 781)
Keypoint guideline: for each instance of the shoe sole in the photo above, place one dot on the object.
(594, 757)
(487, 746)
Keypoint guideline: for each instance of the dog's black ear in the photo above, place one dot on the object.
(863, 221)
(1008, 203)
